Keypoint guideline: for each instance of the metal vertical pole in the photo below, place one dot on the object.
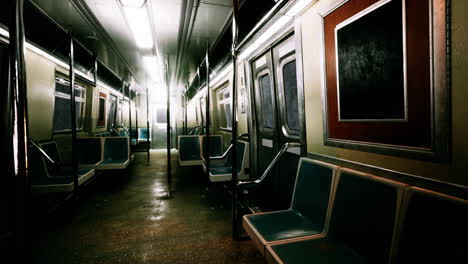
(19, 132)
(185, 110)
(168, 134)
(71, 74)
(207, 115)
(147, 124)
(130, 117)
(235, 225)
(136, 118)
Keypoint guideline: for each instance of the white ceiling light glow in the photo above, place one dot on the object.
(139, 24)
(133, 3)
(152, 67)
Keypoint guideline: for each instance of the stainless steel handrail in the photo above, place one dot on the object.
(43, 153)
(283, 149)
(228, 149)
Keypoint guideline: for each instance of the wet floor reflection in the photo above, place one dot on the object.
(128, 218)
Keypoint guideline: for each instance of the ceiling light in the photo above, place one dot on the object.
(138, 22)
(278, 25)
(298, 6)
(133, 3)
(152, 67)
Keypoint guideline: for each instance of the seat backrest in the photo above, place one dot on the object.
(312, 190)
(133, 132)
(434, 228)
(143, 133)
(116, 149)
(89, 150)
(364, 213)
(123, 133)
(216, 145)
(189, 148)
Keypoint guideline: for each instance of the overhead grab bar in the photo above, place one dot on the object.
(283, 149)
(228, 149)
(43, 153)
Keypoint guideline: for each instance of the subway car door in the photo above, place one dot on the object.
(277, 122)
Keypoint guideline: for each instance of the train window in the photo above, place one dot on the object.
(112, 112)
(290, 94)
(267, 105)
(62, 115)
(161, 115)
(101, 110)
(224, 108)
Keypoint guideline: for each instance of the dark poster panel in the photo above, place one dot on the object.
(382, 103)
(370, 65)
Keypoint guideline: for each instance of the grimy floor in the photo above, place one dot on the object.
(126, 218)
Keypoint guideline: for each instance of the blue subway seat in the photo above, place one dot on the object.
(47, 177)
(89, 151)
(361, 228)
(144, 135)
(307, 215)
(189, 151)
(216, 146)
(221, 170)
(433, 228)
(116, 154)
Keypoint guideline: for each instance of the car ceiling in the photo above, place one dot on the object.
(182, 29)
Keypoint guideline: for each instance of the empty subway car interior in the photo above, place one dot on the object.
(234, 131)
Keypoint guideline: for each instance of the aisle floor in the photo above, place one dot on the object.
(127, 218)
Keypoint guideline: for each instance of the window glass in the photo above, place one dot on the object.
(267, 100)
(290, 94)
(161, 115)
(62, 111)
(224, 108)
(112, 113)
(101, 110)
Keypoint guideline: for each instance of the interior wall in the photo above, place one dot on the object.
(40, 74)
(453, 171)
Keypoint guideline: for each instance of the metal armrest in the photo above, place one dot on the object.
(43, 153)
(284, 148)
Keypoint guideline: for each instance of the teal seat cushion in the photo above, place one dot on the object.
(83, 172)
(223, 170)
(283, 225)
(119, 161)
(322, 250)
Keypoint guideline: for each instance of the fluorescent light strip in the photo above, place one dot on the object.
(265, 36)
(138, 22)
(299, 6)
(61, 63)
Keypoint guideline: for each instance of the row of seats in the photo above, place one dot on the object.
(104, 153)
(53, 177)
(338, 215)
(192, 152)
